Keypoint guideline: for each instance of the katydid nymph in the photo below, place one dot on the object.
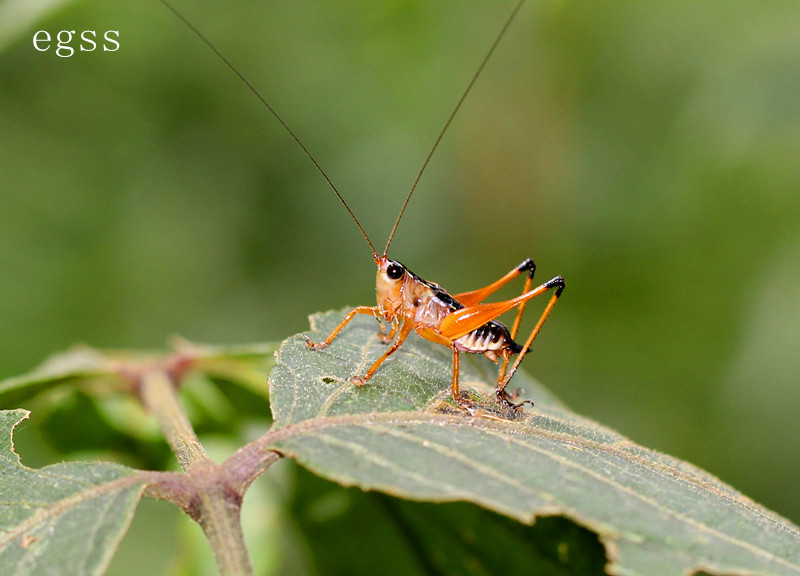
(407, 302)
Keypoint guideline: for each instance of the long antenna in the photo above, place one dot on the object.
(450, 119)
(275, 114)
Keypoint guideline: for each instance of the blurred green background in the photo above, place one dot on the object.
(648, 152)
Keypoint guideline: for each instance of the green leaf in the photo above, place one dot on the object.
(428, 538)
(79, 365)
(401, 434)
(84, 367)
(63, 519)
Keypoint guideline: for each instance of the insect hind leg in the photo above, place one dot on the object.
(505, 375)
(530, 266)
(479, 295)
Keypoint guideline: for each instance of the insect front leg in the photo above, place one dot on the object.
(405, 330)
(388, 337)
(372, 310)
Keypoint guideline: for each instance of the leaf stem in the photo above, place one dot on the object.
(210, 494)
(222, 525)
(249, 462)
(158, 394)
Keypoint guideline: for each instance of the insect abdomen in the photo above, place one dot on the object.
(487, 339)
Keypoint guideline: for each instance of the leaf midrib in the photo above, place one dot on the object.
(59, 507)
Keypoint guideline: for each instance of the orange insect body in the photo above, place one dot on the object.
(408, 302)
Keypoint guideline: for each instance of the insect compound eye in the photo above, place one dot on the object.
(395, 271)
